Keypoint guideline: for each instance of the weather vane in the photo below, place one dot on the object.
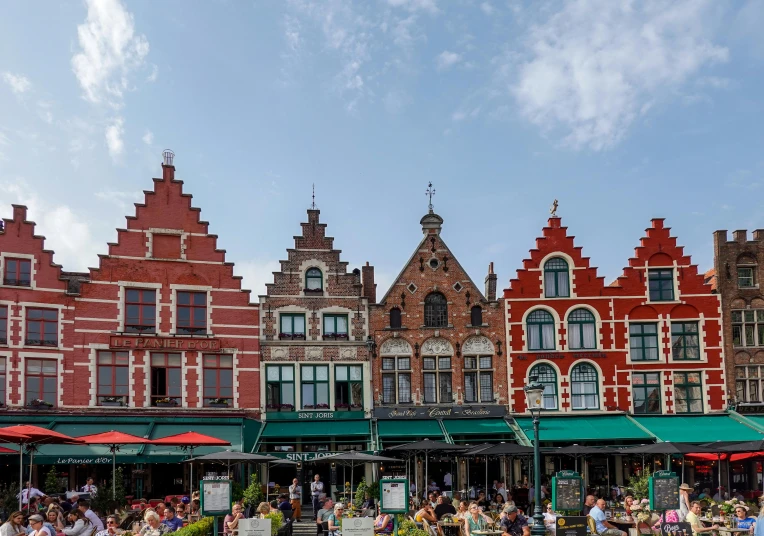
(430, 192)
(553, 209)
(313, 206)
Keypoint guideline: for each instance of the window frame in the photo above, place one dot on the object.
(752, 269)
(113, 366)
(639, 353)
(547, 382)
(3, 377)
(688, 386)
(220, 390)
(140, 326)
(747, 381)
(742, 325)
(166, 366)
(3, 324)
(41, 380)
(476, 313)
(396, 373)
(478, 372)
(315, 382)
(350, 383)
(283, 335)
(595, 382)
(438, 373)
(280, 382)
(335, 336)
(579, 325)
(192, 327)
(18, 272)
(660, 275)
(396, 318)
(645, 387)
(317, 275)
(530, 324)
(558, 272)
(435, 314)
(684, 335)
(43, 322)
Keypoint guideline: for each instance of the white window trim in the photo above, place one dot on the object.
(174, 306)
(32, 269)
(571, 266)
(23, 356)
(139, 285)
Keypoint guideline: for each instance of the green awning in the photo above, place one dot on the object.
(414, 429)
(698, 428)
(757, 420)
(482, 427)
(295, 430)
(584, 428)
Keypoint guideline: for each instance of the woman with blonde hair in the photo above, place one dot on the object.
(14, 526)
(155, 527)
(263, 509)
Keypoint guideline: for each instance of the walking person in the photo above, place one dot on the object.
(316, 489)
(295, 497)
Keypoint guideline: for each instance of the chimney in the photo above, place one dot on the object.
(19, 213)
(168, 166)
(490, 284)
(369, 286)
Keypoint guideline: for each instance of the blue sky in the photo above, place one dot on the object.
(623, 111)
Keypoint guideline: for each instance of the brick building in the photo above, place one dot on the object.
(316, 372)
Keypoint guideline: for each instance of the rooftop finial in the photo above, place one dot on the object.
(553, 209)
(430, 192)
(313, 206)
(168, 157)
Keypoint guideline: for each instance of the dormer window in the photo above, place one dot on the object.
(661, 284)
(18, 272)
(556, 278)
(476, 316)
(435, 310)
(314, 280)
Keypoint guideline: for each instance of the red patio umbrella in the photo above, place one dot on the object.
(745, 455)
(4, 450)
(30, 436)
(113, 439)
(191, 440)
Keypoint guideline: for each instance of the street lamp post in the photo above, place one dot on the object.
(534, 396)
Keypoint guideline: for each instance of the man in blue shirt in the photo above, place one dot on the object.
(171, 521)
(514, 523)
(603, 527)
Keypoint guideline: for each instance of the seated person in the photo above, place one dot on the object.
(425, 512)
(444, 507)
(326, 510)
(550, 520)
(693, 519)
(334, 524)
(514, 523)
(482, 501)
(283, 503)
(604, 528)
(368, 502)
(464, 510)
(742, 518)
(383, 524)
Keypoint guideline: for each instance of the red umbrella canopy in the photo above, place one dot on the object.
(39, 435)
(10, 436)
(113, 437)
(191, 439)
(4, 450)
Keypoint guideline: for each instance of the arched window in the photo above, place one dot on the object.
(582, 330)
(476, 316)
(556, 278)
(540, 328)
(435, 310)
(546, 376)
(395, 318)
(585, 387)
(314, 279)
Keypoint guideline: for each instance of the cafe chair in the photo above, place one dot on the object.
(429, 528)
(592, 525)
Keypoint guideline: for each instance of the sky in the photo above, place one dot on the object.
(622, 111)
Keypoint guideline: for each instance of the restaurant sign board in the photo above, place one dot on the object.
(126, 342)
(567, 491)
(571, 526)
(307, 456)
(440, 412)
(664, 491)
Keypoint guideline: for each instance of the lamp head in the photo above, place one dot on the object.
(534, 395)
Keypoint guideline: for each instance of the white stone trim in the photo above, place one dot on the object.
(571, 265)
(32, 269)
(23, 356)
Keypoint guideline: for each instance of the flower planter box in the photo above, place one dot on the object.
(167, 405)
(214, 405)
(115, 404)
(39, 407)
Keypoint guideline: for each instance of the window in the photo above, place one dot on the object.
(661, 284)
(395, 318)
(314, 279)
(2, 381)
(748, 327)
(437, 384)
(684, 341)
(42, 327)
(113, 383)
(556, 278)
(18, 272)
(335, 327)
(582, 330)
(540, 330)
(688, 392)
(192, 312)
(279, 386)
(748, 383)
(585, 387)
(396, 380)
(165, 379)
(476, 316)
(643, 341)
(478, 379)
(315, 386)
(292, 326)
(218, 379)
(140, 311)
(546, 376)
(3, 324)
(646, 389)
(746, 276)
(348, 386)
(41, 380)
(435, 310)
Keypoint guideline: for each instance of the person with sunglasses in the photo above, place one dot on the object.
(475, 520)
(333, 523)
(37, 523)
(112, 527)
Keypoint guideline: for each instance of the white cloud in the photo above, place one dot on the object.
(114, 140)
(487, 8)
(256, 273)
(446, 60)
(124, 200)
(595, 66)
(17, 82)
(148, 137)
(430, 6)
(151, 78)
(110, 50)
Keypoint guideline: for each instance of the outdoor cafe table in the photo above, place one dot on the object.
(450, 529)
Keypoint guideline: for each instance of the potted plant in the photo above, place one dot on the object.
(272, 407)
(113, 401)
(342, 405)
(322, 406)
(219, 403)
(287, 407)
(39, 404)
(356, 406)
(309, 406)
(166, 403)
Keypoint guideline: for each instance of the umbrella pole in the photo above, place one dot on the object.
(719, 459)
(21, 473)
(351, 481)
(486, 477)
(426, 474)
(113, 472)
(191, 477)
(31, 463)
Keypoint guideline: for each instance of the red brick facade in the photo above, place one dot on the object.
(625, 348)
(435, 299)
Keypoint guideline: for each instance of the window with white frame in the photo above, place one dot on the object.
(540, 330)
(437, 380)
(396, 380)
(478, 379)
(582, 330)
(748, 327)
(748, 383)
(584, 383)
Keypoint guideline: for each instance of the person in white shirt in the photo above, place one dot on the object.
(112, 526)
(447, 479)
(89, 487)
(295, 498)
(84, 507)
(721, 495)
(501, 490)
(28, 492)
(316, 489)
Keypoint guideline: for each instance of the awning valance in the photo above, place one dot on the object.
(575, 429)
(698, 428)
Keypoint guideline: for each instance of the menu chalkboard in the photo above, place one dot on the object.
(676, 529)
(567, 491)
(664, 491)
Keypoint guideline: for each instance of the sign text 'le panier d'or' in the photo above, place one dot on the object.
(441, 412)
(125, 342)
